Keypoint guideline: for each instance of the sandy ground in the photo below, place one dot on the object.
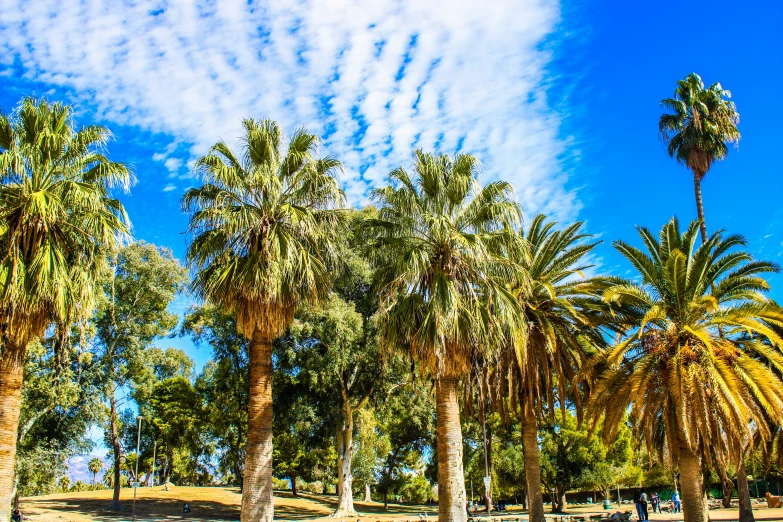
(223, 504)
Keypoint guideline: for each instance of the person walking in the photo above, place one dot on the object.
(676, 502)
(637, 500)
(643, 504)
(655, 500)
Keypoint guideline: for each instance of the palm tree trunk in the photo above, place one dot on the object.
(532, 469)
(367, 492)
(699, 205)
(11, 374)
(257, 503)
(693, 506)
(451, 478)
(344, 457)
(743, 493)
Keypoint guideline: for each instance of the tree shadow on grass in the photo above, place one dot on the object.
(146, 509)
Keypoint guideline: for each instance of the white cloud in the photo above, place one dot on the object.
(378, 78)
(169, 187)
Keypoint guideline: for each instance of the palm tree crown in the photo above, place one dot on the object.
(695, 362)
(264, 234)
(701, 125)
(561, 316)
(699, 129)
(439, 234)
(56, 216)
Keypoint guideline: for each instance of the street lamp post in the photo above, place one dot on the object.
(138, 445)
(154, 451)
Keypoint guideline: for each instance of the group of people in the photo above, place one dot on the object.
(641, 500)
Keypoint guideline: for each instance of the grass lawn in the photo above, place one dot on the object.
(223, 504)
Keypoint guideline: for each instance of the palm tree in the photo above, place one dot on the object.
(57, 221)
(702, 125)
(95, 466)
(438, 236)
(264, 238)
(692, 366)
(558, 330)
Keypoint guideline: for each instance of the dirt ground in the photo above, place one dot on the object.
(222, 504)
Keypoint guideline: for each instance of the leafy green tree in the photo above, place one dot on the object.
(406, 419)
(60, 401)
(698, 340)
(263, 240)
(145, 280)
(575, 458)
(336, 354)
(698, 131)
(223, 385)
(95, 466)
(559, 328)
(372, 447)
(175, 415)
(57, 220)
(438, 234)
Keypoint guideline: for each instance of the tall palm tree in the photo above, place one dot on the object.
(558, 329)
(698, 131)
(264, 235)
(57, 221)
(696, 364)
(438, 234)
(95, 466)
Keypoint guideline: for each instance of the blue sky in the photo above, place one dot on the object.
(561, 98)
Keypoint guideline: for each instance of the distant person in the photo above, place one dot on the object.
(643, 502)
(637, 501)
(16, 516)
(676, 502)
(655, 500)
(186, 508)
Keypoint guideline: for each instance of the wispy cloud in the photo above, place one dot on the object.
(169, 187)
(375, 79)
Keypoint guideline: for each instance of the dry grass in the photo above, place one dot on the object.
(209, 503)
(223, 504)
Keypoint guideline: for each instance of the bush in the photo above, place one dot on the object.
(280, 483)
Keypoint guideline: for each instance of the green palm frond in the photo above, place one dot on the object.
(58, 219)
(702, 122)
(438, 240)
(265, 230)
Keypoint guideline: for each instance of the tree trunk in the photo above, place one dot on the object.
(257, 503)
(693, 506)
(743, 492)
(292, 476)
(699, 205)
(367, 492)
(385, 499)
(11, 375)
(451, 479)
(115, 443)
(532, 469)
(344, 476)
(726, 484)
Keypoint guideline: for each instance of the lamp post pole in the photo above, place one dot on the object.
(138, 444)
(154, 452)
